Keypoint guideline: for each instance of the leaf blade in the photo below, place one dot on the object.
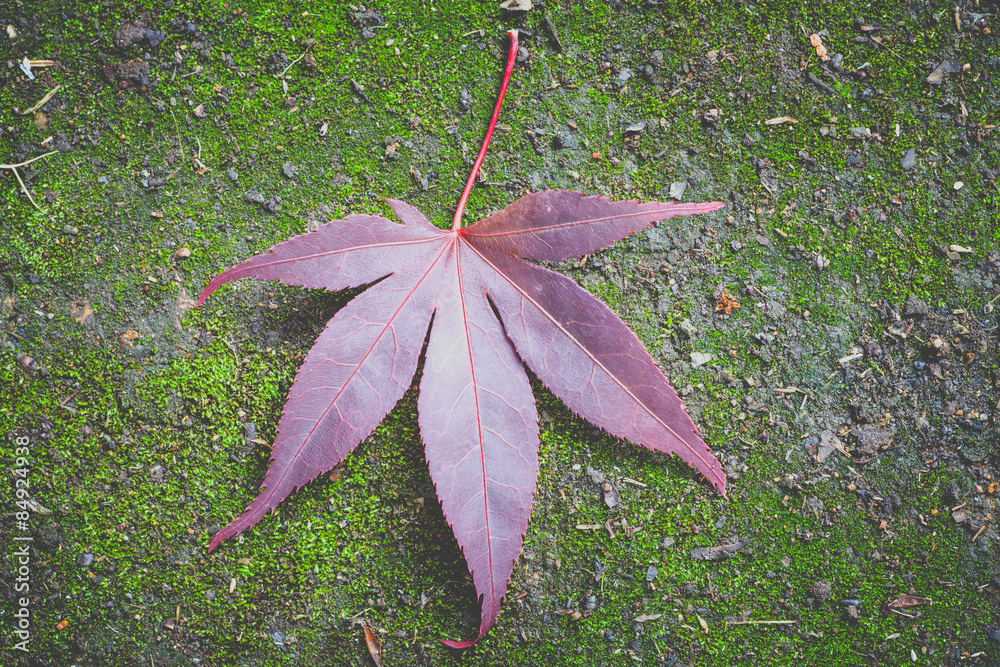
(359, 250)
(591, 360)
(410, 215)
(553, 225)
(480, 427)
(373, 342)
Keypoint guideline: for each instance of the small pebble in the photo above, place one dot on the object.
(154, 37)
(85, 560)
(909, 159)
(821, 589)
(677, 189)
(700, 358)
(651, 573)
(959, 185)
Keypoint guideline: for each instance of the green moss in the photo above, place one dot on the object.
(152, 452)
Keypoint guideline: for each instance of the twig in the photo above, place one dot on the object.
(69, 398)
(901, 58)
(285, 71)
(13, 168)
(236, 355)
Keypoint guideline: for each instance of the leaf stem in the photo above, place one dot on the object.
(457, 223)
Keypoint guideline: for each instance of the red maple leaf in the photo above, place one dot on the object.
(476, 411)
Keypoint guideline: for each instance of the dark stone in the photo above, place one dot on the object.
(129, 35)
(953, 495)
(821, 589)
(915, 307)
(154, 37)
(47, 537)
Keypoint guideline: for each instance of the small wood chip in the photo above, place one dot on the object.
(41, 102)
(647, 617)
(904, 601)
(374, 647)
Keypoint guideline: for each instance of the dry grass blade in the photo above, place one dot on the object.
(13, 168)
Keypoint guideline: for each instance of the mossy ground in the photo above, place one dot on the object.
(146, 417)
